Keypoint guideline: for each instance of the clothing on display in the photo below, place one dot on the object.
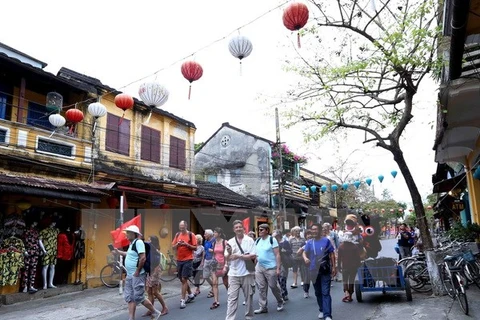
(14, 225)
(64, 247)
(12, 252)
(49, 239)
(32, 248)
(78, 254)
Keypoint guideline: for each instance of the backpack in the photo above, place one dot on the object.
(153, 257)
(271, 240)
(189, 236)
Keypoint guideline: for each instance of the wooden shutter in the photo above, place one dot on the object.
(124, 136)
(150, 149)
(111, 143)
(145, 147)
(155, 141)
(177, 153)
(181, 154)
(173, 152)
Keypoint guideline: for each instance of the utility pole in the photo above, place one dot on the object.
(281, 191)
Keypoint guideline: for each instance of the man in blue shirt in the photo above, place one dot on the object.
(267, 269)
(319, 255)
(134, 290)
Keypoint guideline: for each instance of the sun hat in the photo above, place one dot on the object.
(133, 229)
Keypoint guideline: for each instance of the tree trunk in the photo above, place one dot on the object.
(421, 221)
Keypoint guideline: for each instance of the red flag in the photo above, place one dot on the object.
(246, 224)
(119, 237)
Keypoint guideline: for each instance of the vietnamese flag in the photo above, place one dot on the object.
(246, 224)
(119, 237)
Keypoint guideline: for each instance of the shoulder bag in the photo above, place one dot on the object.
(249, 264)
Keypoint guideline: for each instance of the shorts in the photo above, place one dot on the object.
(208, 268)
(297, 264)
(185, 268)
(49, 259)
(134, 290)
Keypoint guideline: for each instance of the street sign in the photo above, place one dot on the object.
(286, 225)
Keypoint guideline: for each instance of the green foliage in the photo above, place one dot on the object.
(469, 233)
(198, 146)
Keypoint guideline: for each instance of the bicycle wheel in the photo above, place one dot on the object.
(111, 275)
(198, 279)
(446, 281)
(170, 274)
(417, 274)
(461, 295)
(472, 273)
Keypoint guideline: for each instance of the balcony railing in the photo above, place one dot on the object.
(292, 189)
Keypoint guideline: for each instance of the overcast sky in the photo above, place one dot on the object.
(124, 43)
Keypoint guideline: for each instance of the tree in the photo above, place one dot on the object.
(366, 75)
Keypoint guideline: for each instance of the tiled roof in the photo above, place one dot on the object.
(222, 195)
(47, 183)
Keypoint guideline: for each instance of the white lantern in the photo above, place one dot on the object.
(153, 94)
(240, 47)
(57, 120)
(97, 109)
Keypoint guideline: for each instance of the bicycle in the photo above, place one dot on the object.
(113, 272)
(452, 279)
(170, 272)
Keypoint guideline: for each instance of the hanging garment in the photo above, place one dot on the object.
(14, 243)
(14, 225)
(49, 239)
(64, 247)
(79, 249)
(11, 261)
(31, 238)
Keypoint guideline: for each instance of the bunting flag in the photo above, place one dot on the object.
(119, 237)
(246, 225)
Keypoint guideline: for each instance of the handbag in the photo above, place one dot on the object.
(249, 264)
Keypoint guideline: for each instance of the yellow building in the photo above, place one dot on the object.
(75, 174)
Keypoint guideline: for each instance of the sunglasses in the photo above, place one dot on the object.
(261, 229)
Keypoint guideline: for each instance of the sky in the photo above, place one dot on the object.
(125, 43)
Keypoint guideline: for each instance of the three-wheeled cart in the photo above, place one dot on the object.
(381, 275)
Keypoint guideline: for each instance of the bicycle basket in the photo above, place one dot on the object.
(468, 256)
(110, 259)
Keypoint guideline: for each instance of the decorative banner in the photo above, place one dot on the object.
(380, 178)
(368, 181)
(356, 184)
(394, 173)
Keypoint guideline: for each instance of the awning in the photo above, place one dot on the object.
(164, 194)
(45, 193)
(447, 185)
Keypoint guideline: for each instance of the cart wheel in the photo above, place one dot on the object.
(408, 290)
(358, 292)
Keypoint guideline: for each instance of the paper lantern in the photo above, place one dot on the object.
(410, 210)
(334, 188)
(323, 188)
(54, 102)
(192, 71)
(97, 109)
(383, 210)
(429, 207)
(295, 17)
(313, 188)
(368, 181)
(56, 120)
(356, 184)
(304, 188)
(113, 202)
(153, 95)
(74, 116)
(240, 47)
(393, 173)
(380, 178)
(125, 102)
(391, 210)
(345, 186)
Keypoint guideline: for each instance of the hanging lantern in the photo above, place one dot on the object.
(345, 186)
(125, 102)
(383, 210)
(192, 71)
(334, 188)
(410, 210)
(313, 188)
(400, 209)
(368, 181)
(54, 102)
(74, 116)
(295, 17)
(304, 188)
(56, 120)
(356, 184)
(240, 47)
(113, 202)
(380, 178)
(429, 207)
(153, 95)
(323, 189)
(96, 110)
(393, 173)
(391, 210)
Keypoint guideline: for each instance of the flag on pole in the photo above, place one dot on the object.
(119, 237)
(246, 224)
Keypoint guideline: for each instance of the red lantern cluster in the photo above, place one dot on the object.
(124, 102)
(192, 71)
(295, 17)
(74, 116)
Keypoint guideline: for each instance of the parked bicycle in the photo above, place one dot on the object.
(113, 272)
(170, 272)
(453, 280)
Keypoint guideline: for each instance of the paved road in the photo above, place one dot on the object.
(296, 307)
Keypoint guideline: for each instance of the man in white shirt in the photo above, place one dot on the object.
(240, 251)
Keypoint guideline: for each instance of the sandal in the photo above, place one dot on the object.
(350, 299)
(164, 312)
(197, 293)
(215, 305)
(210, 294)
(346, 299)
(147, 314)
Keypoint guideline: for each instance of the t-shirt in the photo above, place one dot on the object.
(237, 267)
(208, 245)
(404, 238)
(315, 247)
(296, 244)
(131, 260)
(183, 252)
(266, 256)
(219, 253)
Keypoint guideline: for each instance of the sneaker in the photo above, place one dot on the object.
(190, 298)
(301, 283)
(305, 295)
(156, 315)
(320, 315)
(182, 304)
(258, 311)
(243, 303)
(280, 306)
(328, 318)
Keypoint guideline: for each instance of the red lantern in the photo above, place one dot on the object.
(192, 71)
(429, 207)
(113, 202)
(383, 210)
(411, 210)
(124, 102)
(74, 116)
(295, 17)
(164, 206)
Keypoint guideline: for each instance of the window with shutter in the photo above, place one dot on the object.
(150, 149)
(177, 153)
(118, 135)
